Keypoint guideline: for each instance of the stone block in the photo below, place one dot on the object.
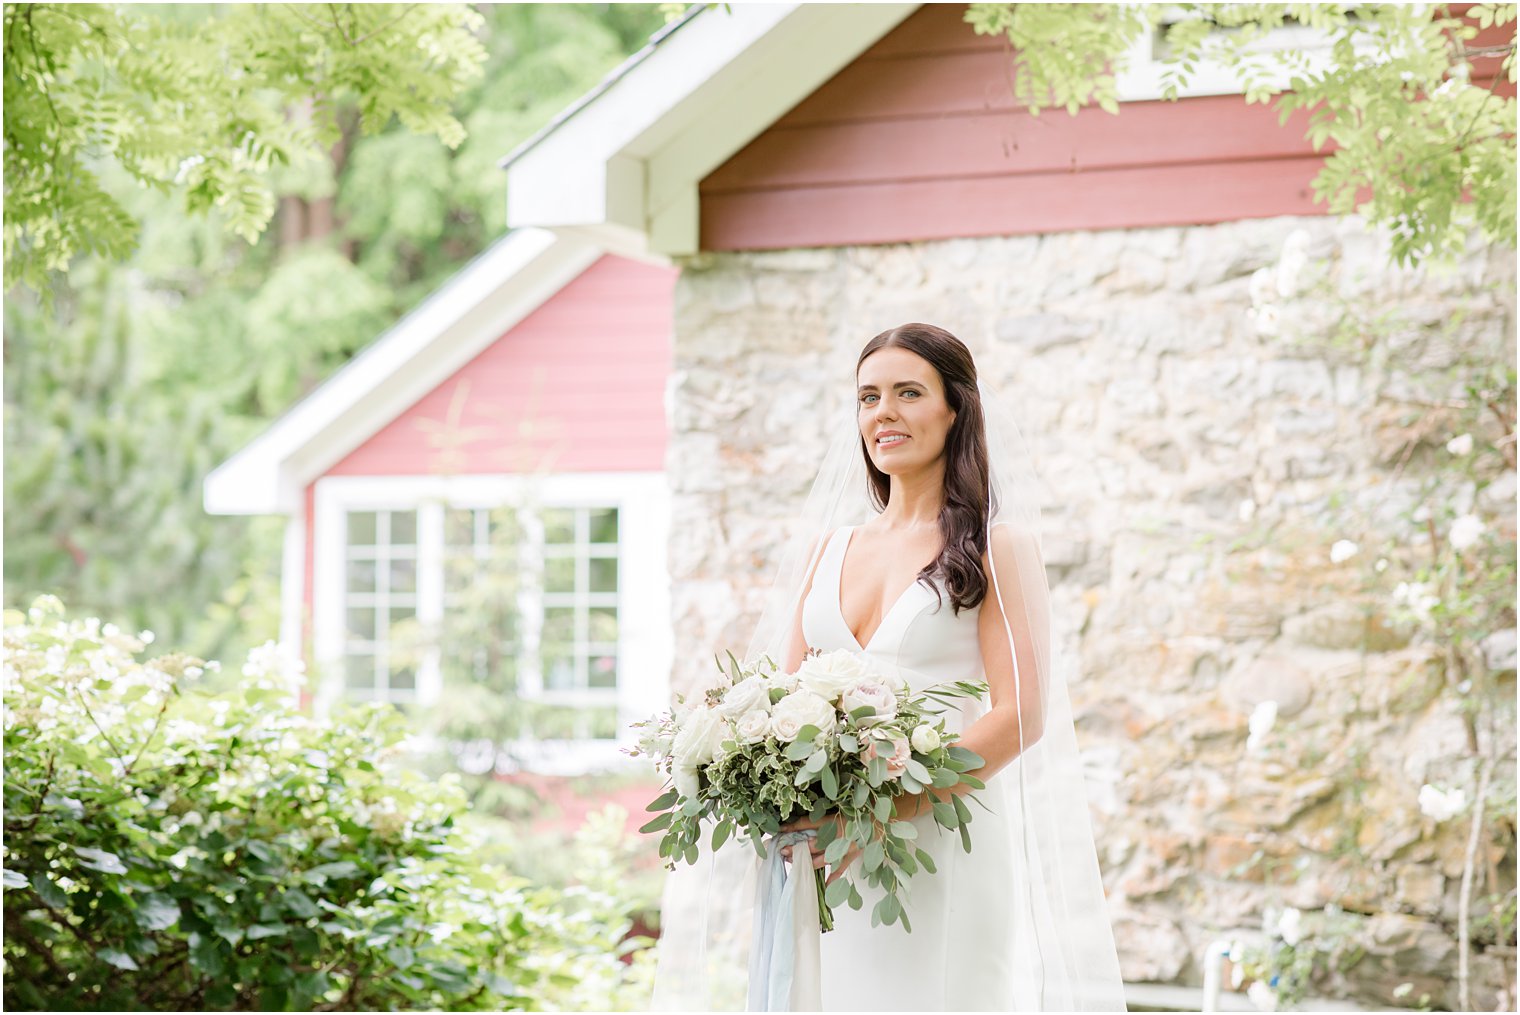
(1273, 676)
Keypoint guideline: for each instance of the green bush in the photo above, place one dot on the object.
(171, 848)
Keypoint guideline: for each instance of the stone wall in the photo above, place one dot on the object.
(1207, 446)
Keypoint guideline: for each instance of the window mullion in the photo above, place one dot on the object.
(430, 582)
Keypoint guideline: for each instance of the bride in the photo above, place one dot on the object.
(922, 552)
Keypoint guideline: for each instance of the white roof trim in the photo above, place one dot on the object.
(624, 169)
(504, 284)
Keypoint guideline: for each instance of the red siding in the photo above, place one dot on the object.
(919, 138)
(577, 386)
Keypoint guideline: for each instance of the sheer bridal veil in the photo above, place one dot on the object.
(1063, 945)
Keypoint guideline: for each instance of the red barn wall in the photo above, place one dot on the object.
(576, 386)
(919, 139)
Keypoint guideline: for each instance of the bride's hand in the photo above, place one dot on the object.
(817, 854)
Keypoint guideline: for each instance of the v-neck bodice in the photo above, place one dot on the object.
(919, 635)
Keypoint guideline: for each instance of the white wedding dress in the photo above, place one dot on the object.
(960, 953)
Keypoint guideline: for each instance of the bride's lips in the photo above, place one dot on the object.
(892, 444)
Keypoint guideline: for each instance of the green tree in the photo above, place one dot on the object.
(206, 337)
(1423, 145)
(203, 104)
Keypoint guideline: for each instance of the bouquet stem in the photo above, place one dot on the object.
(825, 914)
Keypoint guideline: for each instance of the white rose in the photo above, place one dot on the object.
(925, 738)
(798, 709)
(745, 696)
(688, 784)
(1441, 804)
(702, 730)
(755, 726)
(873, 693)
(1265, 318)
(1460, 445)
(1343, 550)
(829, 675)
(1262, 996)
(786, 681)
(1290, 926)
(1465, 531)
(1263, 282)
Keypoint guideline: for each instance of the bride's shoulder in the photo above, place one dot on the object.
(1011, 542)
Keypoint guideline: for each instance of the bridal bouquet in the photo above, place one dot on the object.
(759, 748)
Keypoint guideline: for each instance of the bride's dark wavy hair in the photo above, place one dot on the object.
(963, 518)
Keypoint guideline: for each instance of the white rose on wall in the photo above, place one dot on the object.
(873, 693)
(697, 740)
(754, 727)
(831, 674)
(1441, 804)
(1465, 531)
(798, 709)
(745, 696)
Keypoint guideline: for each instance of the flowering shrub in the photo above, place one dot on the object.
(1428, 552)
(169, 848)
(1296, 949)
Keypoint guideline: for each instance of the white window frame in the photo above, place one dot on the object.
(645, 642)
(1143, 76)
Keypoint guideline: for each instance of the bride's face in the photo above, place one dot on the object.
(900, 391)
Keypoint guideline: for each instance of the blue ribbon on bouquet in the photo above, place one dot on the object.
(774, 963)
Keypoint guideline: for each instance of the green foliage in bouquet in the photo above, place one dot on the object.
(169, 848)
(763, 770)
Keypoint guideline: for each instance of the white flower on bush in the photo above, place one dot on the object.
(873, 693)
(1460, 445)
(925, 738)
(1343, 550)
(1265, 318)
(1262, 996)
(1291, 265)
(1441, 804)
(1290, 926)
(798, 709)
(1465, 531)
(747, 695)
(1263, 716)
(831, 674)
(702, 730)
(1247, 509)
(1263, 286)
(753, 727)
(688, 784)
(1416, 598)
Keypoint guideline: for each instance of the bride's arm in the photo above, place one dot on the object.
(1017, 716)
(797, 645)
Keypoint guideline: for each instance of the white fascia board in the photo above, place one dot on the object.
(639, 149)
(759, 88)
(508, 281)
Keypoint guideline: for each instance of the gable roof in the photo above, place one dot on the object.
(504, 284)
(620, 168)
